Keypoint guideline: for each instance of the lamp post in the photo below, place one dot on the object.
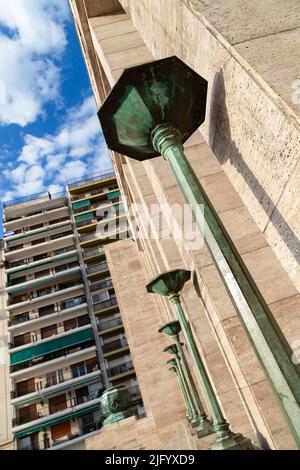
(151, 111)
(184, 389)
(169, 284)
(173, 329)
(194, 419)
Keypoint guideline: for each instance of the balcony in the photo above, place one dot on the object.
(121, 369)
(119, 233)
(101, 285)
(80, 353)
(55, 410)
(29, 234)
(99, 307)
(94, 252)
(50, 349)
(60, 272)
(97, 268)
(36, 337)
(94, 213)
(14, 303)
(34, 315)
(40, 248)
(35, 197)
(107, 325)
(93, 179)
(114, 345)
(49, 258)
(93, 207)
(91, 194)
(46, 385)
(46, 443)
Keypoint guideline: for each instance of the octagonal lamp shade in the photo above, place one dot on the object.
(165, 91)
(170, 282)
(172, 362)
(172, 349)
(172, 328)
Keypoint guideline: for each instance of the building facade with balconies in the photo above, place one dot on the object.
(65, 335)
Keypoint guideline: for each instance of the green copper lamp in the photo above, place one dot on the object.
(187, 405)
(194, 415)
(169, 284)
(173, 329)
(191, 416)
(151, 111)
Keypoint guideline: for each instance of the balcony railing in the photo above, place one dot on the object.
(51, 356)
(23, 318)
(70, 403)
(101, 285)
(114, 345)
(52, 275)
(33, 197)
(97, 268)
(36, 336)
(44, 383)
(107, 325)
(94, 207)
(105, 304)
(95, 192)
(72, 303)
(93, 252)
(90, 236)
(97, 177)
(120, 369)
(14, 300)
(90, 221)
(85, 429)
(43, 444)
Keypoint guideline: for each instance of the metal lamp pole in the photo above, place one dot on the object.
(191, 411)
(152, 111)
(169, 284)
(172, 329)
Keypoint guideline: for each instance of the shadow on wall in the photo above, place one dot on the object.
(225, 149)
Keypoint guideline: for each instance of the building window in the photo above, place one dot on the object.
(78, 370)
(57, 403)
(43, 273)
(48, 331)
(54, 378)
(37, 242)
(39, 257)
(60, 432)
(43, 311)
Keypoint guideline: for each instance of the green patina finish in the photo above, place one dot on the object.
(115, 403)
(193, 414)
(146, 96)
(205, 425)
(225, 438)
(175, 98)
(170, 281)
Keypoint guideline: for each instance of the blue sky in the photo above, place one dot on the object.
(49, 130)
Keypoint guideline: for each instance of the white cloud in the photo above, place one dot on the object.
(55, 188)
(77, 148)
(72, 170)
(28, 61)
(35, 148)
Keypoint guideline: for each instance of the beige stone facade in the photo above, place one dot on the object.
(247, 159)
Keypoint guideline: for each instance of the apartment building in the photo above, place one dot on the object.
(66, 338)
